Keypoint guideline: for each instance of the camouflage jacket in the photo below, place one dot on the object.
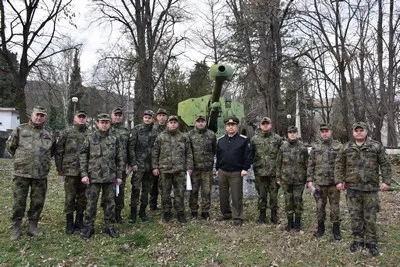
(291, 163)
(204, 145)
(100, 157)
(358, 166)
(160, 128)
(172, 152)
(123, 134)
(265, 147)
(321, 162)
(143, 137)
(32, 147)
(68, 148)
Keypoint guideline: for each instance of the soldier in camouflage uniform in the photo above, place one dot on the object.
(118, 129)
(160, 125)
(171, 158)
(68, 149)
(291, 171)
(32, 144)
(101, 163)
(143, 137)
(320, 179)
(265, 146)
(357, 170)
(204, 144)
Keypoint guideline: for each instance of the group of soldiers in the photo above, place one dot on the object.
(161, 158)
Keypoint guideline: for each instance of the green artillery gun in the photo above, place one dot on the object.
(215, 107)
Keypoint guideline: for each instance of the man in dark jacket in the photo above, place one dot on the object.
(233, 161)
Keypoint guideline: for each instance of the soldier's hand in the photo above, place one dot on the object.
(309, 185)
(85, 180)
(135, 168)
(243, 173)
(156, 172)
(384, 187)
(340, 186)
(118, 181)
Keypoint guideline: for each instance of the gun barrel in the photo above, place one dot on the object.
(219, 73)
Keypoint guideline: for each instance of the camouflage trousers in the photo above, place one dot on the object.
(38, 191)
(155, 189)
(75, 198)
(231, 186)
(321, 195)
(92, 196)
(120, 199)
(143, 181)
(177, 181)
(363, 208)
(266, 185)
(293, 199)
(201, 180)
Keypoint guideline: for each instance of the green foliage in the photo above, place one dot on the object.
(56, 120)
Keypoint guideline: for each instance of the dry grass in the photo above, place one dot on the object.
(197, 243)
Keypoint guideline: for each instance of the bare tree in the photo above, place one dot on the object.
(29, 28)
(148, 24)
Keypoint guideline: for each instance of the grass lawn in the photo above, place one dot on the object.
(196, 243)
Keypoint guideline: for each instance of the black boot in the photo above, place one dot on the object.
(274, 216)
(181, 217)
(336, 231)
(320, 230)
(111, 232)
(79, 221)
(290, 223)
(194, 214)
(142, 213)
(16, 231)
(167, 216)
(262, 219)
(205, 215)
(69, 228)
(87, 233)
(297, 224)
(132, 218)
(373, 250)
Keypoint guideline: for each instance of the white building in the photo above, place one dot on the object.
(9, 119)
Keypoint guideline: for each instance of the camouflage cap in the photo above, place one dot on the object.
(200, 117)
(118, 110)
(324, 126)
(39, 110)
(173, 118)
(103, 117)
(80, 112)
(148, 112)
(360, 124)
(231, 120)
(265, 119)
(292, 129)
(162, 111)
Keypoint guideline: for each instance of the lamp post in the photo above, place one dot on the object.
(288, 117)
(74, 100)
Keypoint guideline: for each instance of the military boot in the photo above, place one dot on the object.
(87, 233)
(167, 216)
(373, 250)
(111, 232)
(274, 216)
(297, 223)
(290, 223)
(79, 221)
(181, 217)
(320, 230)
(262, 219)
(336, 231)
(69, 228)
(142, 213)
(118, 217)
(33, 229)
(194, 214)
(205, 215)
(132, 218)
(16, 231)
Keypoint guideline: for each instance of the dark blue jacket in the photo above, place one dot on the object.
(233, 153)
